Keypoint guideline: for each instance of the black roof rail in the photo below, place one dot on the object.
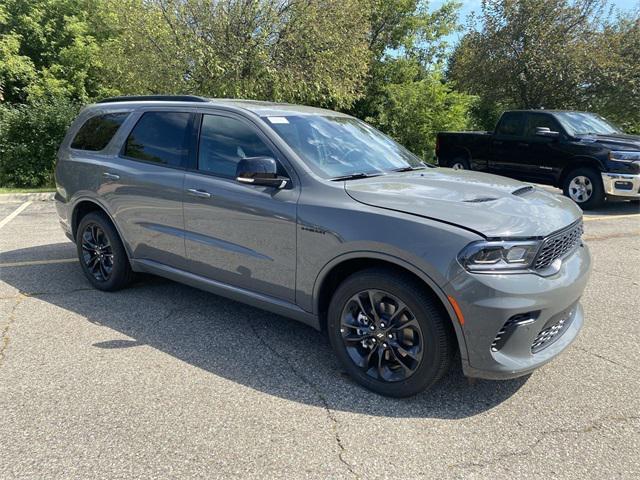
(158, 98)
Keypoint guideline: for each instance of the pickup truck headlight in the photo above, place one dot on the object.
(499, 256)
(624, 156)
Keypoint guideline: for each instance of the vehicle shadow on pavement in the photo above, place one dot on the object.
(254, 348)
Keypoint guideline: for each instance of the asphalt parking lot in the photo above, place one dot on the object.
(165, 381)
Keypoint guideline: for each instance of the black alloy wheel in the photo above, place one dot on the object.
(382, 335)
(102, 255)
(97, 253)
(389, 332)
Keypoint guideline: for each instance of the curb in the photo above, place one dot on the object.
(26, 197)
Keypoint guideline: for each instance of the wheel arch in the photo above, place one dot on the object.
(84, 206)
(579, 162)
(338, 269)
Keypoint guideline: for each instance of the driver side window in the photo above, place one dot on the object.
(224, 141)
(536, 120)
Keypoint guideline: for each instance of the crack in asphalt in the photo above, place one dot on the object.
(4, 335)
(623, 277)
(597, 425)
(602, 357)
(323, 400)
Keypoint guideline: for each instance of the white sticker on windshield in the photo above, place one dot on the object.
(276, 120)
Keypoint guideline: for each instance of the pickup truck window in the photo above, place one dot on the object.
(512, 123)
(535, 120)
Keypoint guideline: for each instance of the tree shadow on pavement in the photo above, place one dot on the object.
(257, 349)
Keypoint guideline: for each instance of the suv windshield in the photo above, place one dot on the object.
(336, 146)
(579, 123)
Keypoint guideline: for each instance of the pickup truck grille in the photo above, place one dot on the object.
(558, 245)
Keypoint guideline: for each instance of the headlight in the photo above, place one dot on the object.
(624, 156)
(499, 256)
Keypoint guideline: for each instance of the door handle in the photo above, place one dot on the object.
(523, 144)
(194, 192)
(498, 142)
(110, 176)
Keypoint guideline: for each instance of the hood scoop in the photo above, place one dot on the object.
(523, 190)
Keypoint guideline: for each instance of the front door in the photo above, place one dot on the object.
(239, 234)
(509, 148)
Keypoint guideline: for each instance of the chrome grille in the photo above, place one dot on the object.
(558, 245)
(553, 329)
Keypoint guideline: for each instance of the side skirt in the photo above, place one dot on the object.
(254, 299)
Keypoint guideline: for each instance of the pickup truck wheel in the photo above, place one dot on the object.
(584, 186)
(460, 164)
(389, 335)
(102, 256)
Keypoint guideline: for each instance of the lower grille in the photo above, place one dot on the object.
(510, 325)
(553, 329)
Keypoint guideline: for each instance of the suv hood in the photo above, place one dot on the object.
(487, 204)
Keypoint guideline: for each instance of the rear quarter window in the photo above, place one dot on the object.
(96, 133)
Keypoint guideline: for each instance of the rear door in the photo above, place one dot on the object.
(144, 184)
(508, 151)
(239, 234)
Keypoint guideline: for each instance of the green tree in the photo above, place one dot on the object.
(614, 89)
(48, 48)
(529, 53)
(310, 52)
(405, 94)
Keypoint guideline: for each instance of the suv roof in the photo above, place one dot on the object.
(260, 108)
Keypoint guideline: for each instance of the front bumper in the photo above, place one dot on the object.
(621, 184)
(506, 316)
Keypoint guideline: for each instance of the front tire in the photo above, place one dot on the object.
(388, 333)
(101, 253)
(584, 186)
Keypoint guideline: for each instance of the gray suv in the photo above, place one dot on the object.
(317, 216)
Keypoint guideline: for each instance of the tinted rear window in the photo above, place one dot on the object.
(160, 137)
(96, 132)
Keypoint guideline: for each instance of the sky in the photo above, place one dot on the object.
(469, 6)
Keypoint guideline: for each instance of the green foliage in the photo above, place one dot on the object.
(48, 48)
(29, 139)
(413, 112)
(405, 95)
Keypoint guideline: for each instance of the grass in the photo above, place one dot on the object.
(26, 190)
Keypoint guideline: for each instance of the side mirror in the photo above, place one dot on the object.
(260, 171)
(546, 132)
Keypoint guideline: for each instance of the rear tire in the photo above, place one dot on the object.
(584, 186)
(102, 255)
(461, 164)
(393, 355)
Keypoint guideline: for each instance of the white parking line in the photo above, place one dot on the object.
(14, 214)
(38, 262)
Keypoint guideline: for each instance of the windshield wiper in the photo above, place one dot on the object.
(408, 169)
(355, 176)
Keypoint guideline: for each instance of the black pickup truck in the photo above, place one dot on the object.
(582, 153)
